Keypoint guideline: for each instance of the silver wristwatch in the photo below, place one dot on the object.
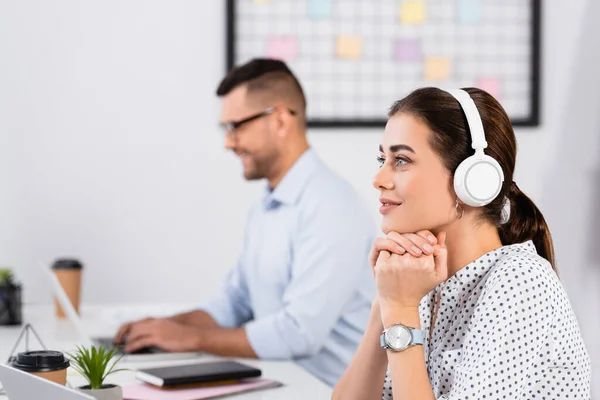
(399, 337)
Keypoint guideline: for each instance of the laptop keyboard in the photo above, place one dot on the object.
(109, 344)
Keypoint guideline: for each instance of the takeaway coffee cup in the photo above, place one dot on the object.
(68, 272)
(47, 364)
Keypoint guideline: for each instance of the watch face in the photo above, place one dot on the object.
(398, 337)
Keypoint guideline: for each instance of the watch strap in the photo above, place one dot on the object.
(417, 337)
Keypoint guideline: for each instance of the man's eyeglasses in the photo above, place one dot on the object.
(230, 127)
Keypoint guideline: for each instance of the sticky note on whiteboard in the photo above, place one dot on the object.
(349, 47)
(490, 85)
(319, 9)
(283, 48)
(469, 11)
(437, 68)
(407, 50)
(412, 12)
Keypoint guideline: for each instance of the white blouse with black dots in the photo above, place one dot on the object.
(505, 330)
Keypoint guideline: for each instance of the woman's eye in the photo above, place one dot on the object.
(401, 162)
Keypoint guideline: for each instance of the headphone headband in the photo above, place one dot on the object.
(478, 178)
(473, 118)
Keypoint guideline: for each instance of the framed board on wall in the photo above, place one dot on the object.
(354, 58)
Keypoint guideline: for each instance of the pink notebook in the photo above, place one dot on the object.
(143, 391)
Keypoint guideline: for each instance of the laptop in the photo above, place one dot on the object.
(20, 385)
(107, 342)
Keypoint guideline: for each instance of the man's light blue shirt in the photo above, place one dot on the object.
(303, 286)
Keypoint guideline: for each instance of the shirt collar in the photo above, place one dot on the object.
(472, 273)
(291, 186)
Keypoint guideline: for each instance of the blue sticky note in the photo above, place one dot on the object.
(319, 8)
(469, 12)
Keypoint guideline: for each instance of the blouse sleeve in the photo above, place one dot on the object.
(387, 387)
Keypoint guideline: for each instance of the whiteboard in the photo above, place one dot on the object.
(354, 58)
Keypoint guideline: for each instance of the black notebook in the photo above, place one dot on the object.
(208, 372)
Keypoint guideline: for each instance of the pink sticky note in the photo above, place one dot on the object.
(407, 50)
(490, 85)
(147, 392)
(283, 48)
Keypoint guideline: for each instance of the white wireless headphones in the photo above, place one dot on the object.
(478, 179)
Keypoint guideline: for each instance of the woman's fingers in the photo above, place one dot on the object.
(427, 235)
(382, 244)
(416, 244)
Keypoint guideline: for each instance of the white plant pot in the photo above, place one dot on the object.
(107, 392)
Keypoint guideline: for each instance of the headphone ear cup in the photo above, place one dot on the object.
(459, 182)
(478, 180)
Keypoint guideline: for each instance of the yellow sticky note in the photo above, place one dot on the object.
(349, 47)
(437, 68)
(412, 12)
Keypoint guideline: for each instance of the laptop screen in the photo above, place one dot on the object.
(20, 385)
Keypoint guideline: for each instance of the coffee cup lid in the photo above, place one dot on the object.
(67, 263)
(41, 361)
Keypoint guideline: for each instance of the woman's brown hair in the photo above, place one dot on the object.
(451, 140)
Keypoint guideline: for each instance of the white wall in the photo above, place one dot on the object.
(570, 193)
(110, 152)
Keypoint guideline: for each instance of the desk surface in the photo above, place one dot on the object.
(104, 320)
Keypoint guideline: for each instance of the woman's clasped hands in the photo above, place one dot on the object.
(408, 266)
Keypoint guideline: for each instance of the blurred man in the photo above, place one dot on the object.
(302, 288)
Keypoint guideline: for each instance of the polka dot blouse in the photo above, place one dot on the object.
(505, 330)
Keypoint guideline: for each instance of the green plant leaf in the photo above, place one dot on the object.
(95, 364)
(6, 277)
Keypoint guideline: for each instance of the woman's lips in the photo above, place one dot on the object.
(388, 205)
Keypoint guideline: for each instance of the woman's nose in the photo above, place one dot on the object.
(383, 179)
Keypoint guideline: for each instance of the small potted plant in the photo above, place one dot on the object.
(10, 299)
(95, 364)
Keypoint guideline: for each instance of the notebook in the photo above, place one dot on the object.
(206, 372)
(143, 391)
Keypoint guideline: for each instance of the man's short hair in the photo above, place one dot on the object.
(266, 78)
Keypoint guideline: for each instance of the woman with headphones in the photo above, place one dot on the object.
(469, 303)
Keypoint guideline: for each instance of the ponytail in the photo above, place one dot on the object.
(526, 222)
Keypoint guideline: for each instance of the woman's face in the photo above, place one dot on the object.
(416, 189)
